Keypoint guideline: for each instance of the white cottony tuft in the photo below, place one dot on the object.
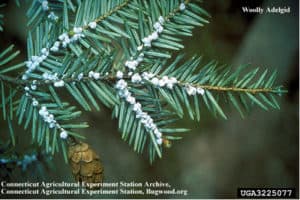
(63, 134)
(92, 25)
(43, 111)
(161, 20)
(161, 83)
(146, 41)
(155, 81)
(59, 83)
(91, 74)
(119, 74)
(136, 78)
(45, 51)
(52, 16)
(77, 29)
(154, 35)
(132, 64)
(191, 90)
(33, 87)
(56, 44)
(139, 48)
(96, 75)
(182, 6)
(137, 107)
(147, 75)
(140, 59)
(157, 133)
(170, 85)
(200, 91)
(156, 25)
(24, 77)
(121, 84)
(45, 5)
(159, 141)
(173, 80)
(35, 102)
(124, 93)
(80, 76)
(54, 49)
(130, 100)
(52, 125)
(63, 36)
(160, 29)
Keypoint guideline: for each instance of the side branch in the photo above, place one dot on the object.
(111, 78)
(235, 89)
(103, 17)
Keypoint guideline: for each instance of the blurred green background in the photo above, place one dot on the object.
(217, 156)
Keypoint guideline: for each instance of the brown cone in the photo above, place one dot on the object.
(85, 163)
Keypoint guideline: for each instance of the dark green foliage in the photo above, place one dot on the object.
(121, 26)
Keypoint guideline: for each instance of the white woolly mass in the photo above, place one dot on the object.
(159, 141)
(34, 62)
(139, 48)
(24, 77)
(50, 77)
(26, 88)
(45, 5)
(80, 76)
(52, 16)
(47, 117)
(35, 102)
(136, 78)
(200, 91)
(161, 20)
(55, 46)
(63, 134)
(77, 30)
(119, 74)
(96, 75)
(165, 81)
(130, 99)
(169, 82)
(155, 81)
(131, 64)
(63, 41)
(145, 118)
(121, 84)
(182, 6)
(147, 41)
(91, 74)
(92, 25)
(191, 90)
(33, 86)
(158, 26)
(147, 75)
(59, 83)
